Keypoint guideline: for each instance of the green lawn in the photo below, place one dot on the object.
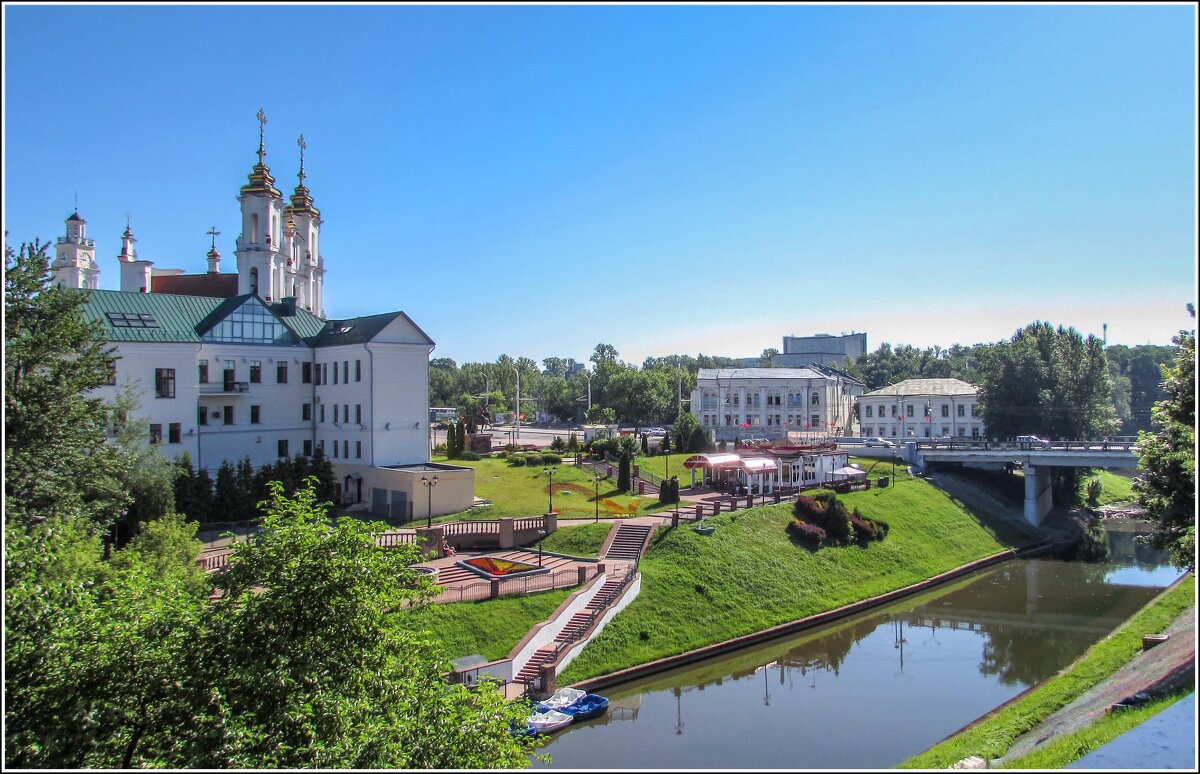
(749, 576)
(577, 539)
(490, 628)
(524, 491)
(991, 738)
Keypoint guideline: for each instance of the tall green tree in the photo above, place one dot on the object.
(56, 460)
(1167, 487)
(1050, 382)
(627, 450)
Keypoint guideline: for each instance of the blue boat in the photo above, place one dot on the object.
(590, 706)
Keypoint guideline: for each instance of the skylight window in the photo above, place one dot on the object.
(130, 320)
(343, 329)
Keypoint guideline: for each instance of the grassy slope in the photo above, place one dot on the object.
(992, 737)
(491, 627)
(577, 539)
(749, 576)
(1117, 488)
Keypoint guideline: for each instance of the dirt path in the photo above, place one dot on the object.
(1164, 667)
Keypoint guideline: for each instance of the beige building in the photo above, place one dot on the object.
(921, 408)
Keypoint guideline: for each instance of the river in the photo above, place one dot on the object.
(871, 690)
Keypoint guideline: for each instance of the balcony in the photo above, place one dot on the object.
(225, 388)
(63, 240)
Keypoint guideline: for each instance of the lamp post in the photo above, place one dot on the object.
(588, 375)
(541, 534)
(550, 471)
(596, 477)
(429, 485)
(517, 412)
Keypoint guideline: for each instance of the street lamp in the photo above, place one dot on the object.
(517, 413)
(429, 485)
(596, 477)
(588, 376)
(550, 471)
(541, 534)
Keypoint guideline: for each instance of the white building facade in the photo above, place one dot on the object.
(813, 401)
(922, 408)
(246, 365)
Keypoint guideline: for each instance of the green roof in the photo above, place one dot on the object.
(185, 318)
(177, 316)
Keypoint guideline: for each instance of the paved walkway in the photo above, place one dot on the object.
(1165, 741)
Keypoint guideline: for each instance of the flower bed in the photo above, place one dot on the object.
(491, 567)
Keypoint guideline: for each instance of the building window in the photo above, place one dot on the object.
(358, 449)
(306, 412)
(306, 373)
(893, 411)
(203, 372)
(335, 449)
(975, 409)
(816, 420)
(155, 434)
(322, 412)
(228, 415)
(358, 370)
(335, 372)
(908, 410)
(335, 408)
(319, 382)
(112, 373)
(945, 410)
(254, 415)
(870, 411)
(346, 412)
(358, 413)
(202, 416)
(283, 448)
(251, 323)
(345, 371)
(281, 372)
(346, 449)
(229, 376)
(974, 432)
(164, 382)
(256, 372)
(308, 448)
(867, 430)
(736, 398)
(961, 410)
(173, 432)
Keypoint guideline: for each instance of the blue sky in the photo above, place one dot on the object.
(534, 180)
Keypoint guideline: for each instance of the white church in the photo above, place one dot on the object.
(230, 365)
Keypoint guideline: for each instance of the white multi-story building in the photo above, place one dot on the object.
(922, 408)
(228, 366)
(815, 400)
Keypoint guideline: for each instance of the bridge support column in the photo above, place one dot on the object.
(1038, 499)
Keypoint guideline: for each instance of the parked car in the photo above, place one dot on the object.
(1032, 442)
(869, 442)
(654, 431)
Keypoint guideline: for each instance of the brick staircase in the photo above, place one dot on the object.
(578, 623)
(628, 542)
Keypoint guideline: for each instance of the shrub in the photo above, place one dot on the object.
(558, 444)
(511, 447)
(864, 529)
(806, 533)
(439, 449)
(1095, 487)
(534, 459)
(551, 459)
(469, 456)
(572, 442)
(516, 461)
(721, 446)
(881, 528)
(824, 510)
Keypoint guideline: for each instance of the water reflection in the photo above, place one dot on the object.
(867, 692)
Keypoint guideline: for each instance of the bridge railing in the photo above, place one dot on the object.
(1100, 445)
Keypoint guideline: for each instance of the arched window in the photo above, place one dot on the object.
(816, 398)
(254, 280)
(254, 228)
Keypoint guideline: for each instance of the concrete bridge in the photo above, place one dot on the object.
(1035, 459)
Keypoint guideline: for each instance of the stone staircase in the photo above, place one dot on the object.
(575, 626)
(628, 543)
